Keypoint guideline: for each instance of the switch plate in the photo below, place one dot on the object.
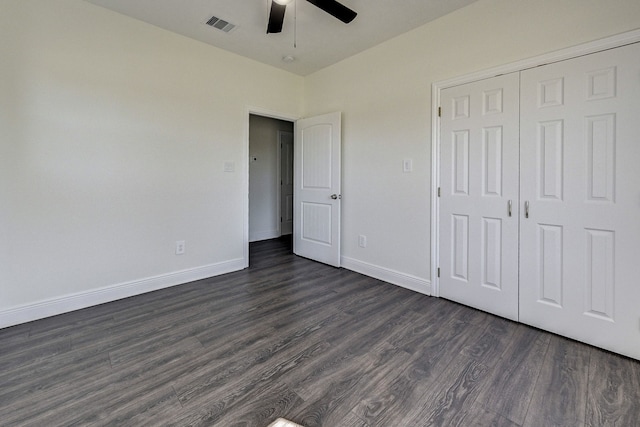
(407, 165)
(362, 241)
(180, 247)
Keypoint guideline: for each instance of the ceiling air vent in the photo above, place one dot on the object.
(220, 24)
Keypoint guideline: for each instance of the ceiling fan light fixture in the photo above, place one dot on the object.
(283, 2)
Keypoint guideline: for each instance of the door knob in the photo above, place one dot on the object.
(336, 196)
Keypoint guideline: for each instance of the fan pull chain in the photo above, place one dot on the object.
(295, 24)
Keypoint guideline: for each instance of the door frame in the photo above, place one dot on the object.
(436, 88)
(258, 111)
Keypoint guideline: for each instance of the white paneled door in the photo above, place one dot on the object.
(286, 182)
(540, 197)
(479, 195)
(580, 178)
(317, 199)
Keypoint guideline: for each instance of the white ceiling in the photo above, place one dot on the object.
(321, 39)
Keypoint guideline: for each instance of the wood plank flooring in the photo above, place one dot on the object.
(320, 346)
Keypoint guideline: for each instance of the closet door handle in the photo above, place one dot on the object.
(509, 207)
(526, 209)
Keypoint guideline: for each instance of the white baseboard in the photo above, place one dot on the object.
(387, 275)
(67, 303)
(256, 236)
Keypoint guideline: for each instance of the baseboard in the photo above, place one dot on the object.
(256, 236)
(65, 304)
(387, 275)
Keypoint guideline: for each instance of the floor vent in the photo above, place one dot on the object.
(220, 24)
(281, 422)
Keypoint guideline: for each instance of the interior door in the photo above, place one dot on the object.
(580, 176)
(286, 182)
(317, 199)
(479, 191)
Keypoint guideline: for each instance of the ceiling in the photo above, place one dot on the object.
(321, 40)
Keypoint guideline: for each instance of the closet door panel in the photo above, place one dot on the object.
(580, 176)
(479, 176)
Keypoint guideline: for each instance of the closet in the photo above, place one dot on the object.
(539, 207)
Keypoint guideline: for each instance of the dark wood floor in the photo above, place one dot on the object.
(321, 346)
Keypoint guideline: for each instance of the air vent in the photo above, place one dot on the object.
(220, 24)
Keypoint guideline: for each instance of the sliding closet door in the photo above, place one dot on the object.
(479, 195)
(580, 177)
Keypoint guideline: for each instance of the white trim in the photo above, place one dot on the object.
(611, 42)
(397, 278)
(258, 111)
(77, 301)
(435, 183)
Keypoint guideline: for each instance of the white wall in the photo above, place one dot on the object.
(113, 140)
(114, 134)
(264, 222)
(385, 96)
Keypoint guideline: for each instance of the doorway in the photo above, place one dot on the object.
(316, 196)
(270, 177)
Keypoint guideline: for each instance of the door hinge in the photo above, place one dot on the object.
(438, 191)
(280, 219)
(439, 111)
(438, 271)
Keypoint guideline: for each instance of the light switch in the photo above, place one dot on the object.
(407, 165)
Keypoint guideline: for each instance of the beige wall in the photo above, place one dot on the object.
(385, 96)
(113, 140)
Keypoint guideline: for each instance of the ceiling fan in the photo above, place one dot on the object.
(332, 7)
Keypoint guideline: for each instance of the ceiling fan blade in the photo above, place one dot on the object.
(276, 18)
(336, 9)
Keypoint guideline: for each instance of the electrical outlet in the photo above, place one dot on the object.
(180, 247)
(362, 241)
